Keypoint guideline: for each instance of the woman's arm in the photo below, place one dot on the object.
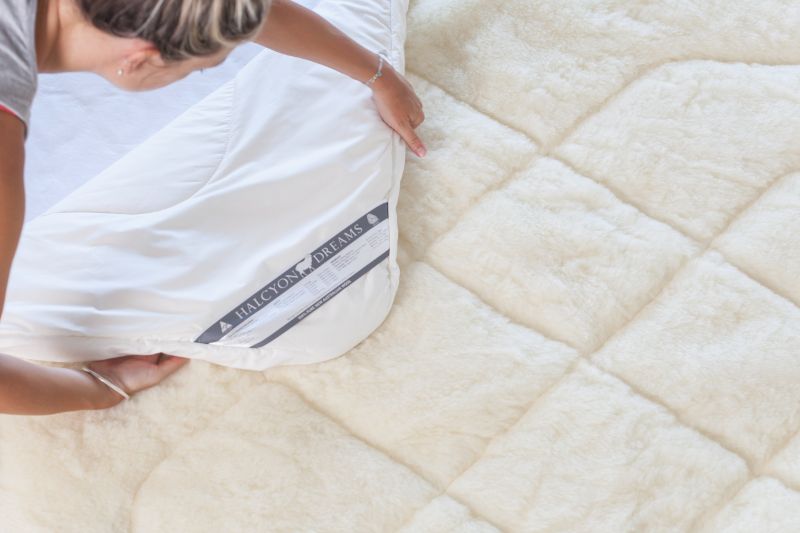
(27, 388)
(30, 389)
(295, 30)
(12, 193)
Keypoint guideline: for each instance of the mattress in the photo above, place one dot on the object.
(596, 326)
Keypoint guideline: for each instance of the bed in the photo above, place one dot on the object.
(597, 323)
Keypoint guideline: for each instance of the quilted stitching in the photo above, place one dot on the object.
(597, 327)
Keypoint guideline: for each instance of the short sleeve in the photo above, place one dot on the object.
(18, 58)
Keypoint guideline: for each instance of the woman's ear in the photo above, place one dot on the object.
(143, 54)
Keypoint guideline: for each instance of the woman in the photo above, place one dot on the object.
(140, 45)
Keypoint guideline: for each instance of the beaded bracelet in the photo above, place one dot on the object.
(108, 382)
(380, 67)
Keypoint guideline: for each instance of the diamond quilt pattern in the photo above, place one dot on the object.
(597, 327)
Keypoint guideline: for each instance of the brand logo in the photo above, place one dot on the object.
(372, 219)
(283, 283)
(304, 265)
(224, 326)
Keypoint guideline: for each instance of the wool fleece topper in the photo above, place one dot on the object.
(256, 229)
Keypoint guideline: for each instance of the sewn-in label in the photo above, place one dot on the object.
(305, 286)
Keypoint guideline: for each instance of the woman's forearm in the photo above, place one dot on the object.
(295, 30)
(30, 389)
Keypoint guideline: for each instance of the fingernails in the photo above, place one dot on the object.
(421, 152)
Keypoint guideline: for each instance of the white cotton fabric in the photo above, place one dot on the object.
(242, 187)
(81, 124)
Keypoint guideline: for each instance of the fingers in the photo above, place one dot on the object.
(411, 138)
(171, 363)
(420, 113)
(413, 141)
(419, 119)
(152, 358)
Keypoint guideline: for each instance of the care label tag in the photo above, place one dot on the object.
(305, 286)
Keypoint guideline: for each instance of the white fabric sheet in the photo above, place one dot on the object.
(258, 228)
(81, 123)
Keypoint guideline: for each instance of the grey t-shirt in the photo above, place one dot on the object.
(18, 72)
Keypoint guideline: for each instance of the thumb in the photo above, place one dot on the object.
(152, 358)
(413, 141)
(170, 363)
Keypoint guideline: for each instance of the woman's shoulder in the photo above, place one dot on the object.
(18, 56)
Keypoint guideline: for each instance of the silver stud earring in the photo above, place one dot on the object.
(119, 72)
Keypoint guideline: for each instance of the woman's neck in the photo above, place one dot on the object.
(66, 42)
(47, 34)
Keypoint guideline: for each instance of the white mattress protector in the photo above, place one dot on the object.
(81, 124)
(258, 228)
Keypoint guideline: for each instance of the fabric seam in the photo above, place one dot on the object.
(214, 172)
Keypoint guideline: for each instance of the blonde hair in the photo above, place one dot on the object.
(180, 29)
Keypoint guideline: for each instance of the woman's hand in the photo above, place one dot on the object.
(137, 372)
(399, 106)
(296, 30)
